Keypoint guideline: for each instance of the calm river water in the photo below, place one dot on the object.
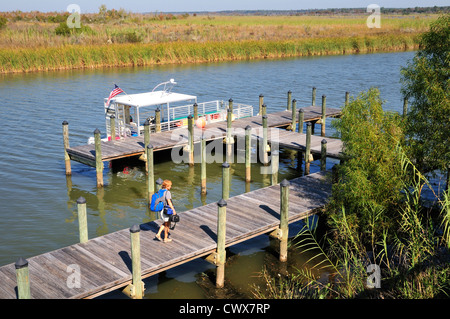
(38, 204)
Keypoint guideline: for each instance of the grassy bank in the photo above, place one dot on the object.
(113, 55)
(137, 40)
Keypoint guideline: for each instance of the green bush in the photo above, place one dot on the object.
(64, 30)
(3, 22)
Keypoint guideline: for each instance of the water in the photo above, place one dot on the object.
(38, 203)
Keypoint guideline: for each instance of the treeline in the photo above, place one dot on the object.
(333, 11)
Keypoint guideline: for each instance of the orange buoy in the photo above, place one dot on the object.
(201, 123)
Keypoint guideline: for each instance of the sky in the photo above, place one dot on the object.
(91, 6)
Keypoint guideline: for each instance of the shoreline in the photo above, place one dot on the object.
(24, 60)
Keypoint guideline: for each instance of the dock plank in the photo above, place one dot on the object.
(105, 261)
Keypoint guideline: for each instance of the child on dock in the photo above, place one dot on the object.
(167, 185)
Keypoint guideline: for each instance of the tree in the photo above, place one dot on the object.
(425, 82)
(370, 175)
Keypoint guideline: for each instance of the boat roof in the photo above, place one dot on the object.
(152, 98)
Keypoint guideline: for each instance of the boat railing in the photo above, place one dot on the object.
(212, 111)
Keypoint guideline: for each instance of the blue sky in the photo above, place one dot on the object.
(88, 6)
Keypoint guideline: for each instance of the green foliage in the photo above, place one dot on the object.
(64, 30)
(370, 176)
(425, 82)
(3, 22)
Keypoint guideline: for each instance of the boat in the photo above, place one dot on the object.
(131, 111)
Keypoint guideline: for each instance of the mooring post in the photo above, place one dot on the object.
(195, 111)
(221, 236)
(157, 120)
(275, 165)
(203, 166)
(294, 116)
(150, 173)
(265, 144)
(225, 181)
(313, 96)
(308, 148)
(82, 219)
(301, 119)
(135, 290)
(284, 220)
(98, 158)
(264, 109)
(146, 141)
(323, 155)
(289, 99)
(261, 102)
(230, 105)
(347, 94)
(248, 154)
(23, 279)
(191, 139)
(405, 107)
(324, 115)
(112, 125)
(65, 126)
(229, 140)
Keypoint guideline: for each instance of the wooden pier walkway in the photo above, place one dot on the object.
(134, 146)
(105, 262)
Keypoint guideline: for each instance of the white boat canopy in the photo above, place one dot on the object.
(152, 98)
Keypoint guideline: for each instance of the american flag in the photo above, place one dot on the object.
(116, 91)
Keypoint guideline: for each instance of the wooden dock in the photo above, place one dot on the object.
(105, 262)
(134, 146)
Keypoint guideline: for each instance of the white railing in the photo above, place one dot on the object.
(213, 111)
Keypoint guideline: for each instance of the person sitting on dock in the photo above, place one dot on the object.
(167, 185)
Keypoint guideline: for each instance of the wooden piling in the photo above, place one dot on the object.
(195, 111)
(229, 140)
(289, 97)
(135, 290)
(324, 115)
(313, 103)
(150, 173)
(98, 158)
(191, 139)
(221, 236)
(265, 155)
(157, 120)
(301, 119)
(308, 147)
(203, 166)
(23, 279)
(248, 154)
(261, 102)
(294, 115)
(284, 219)
(146, 142)
(347, 94)
(82, 219)
(65, 126)
(112, 125)
(225, 181)
(323, 155)
(275, 160)
(264, 109)
(230, 105)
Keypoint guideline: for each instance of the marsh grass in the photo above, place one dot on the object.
(133, 40)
